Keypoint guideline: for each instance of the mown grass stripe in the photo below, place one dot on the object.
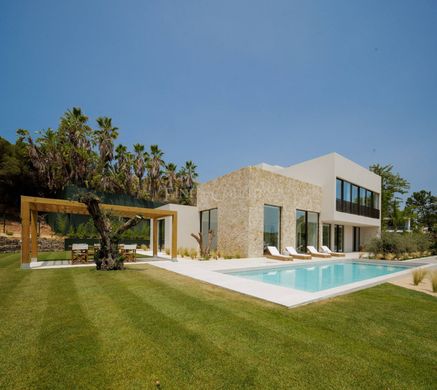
(68, 342)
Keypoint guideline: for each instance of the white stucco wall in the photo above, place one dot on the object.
(323, 171)
(188, 222)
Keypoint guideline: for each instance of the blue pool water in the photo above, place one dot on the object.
(318, 277)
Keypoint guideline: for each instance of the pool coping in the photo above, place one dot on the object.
(285, 296)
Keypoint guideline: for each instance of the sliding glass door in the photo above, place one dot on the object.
(326, 239)
(357, 233)
(339, 238)
(208, 222)
(301, 231)
(307, 230)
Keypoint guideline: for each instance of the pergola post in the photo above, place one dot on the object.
(25, 232)
(174, 236)
(34, 234)
(155, 237)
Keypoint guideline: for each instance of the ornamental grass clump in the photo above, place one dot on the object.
(418, 276)
(433, 277)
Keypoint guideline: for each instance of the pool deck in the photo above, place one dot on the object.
(206, 271)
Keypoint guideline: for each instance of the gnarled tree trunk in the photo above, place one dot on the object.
(108, 256)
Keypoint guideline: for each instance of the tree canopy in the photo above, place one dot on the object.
(423, 209)
(392, 186)
(78, 154)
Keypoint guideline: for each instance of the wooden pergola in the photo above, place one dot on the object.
(30, 206)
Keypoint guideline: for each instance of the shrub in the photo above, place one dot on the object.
(418, 276)
(396, 245)
(433, 277)
(81, 231)
(9, 233)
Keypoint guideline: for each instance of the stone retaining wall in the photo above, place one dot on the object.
(8, 244)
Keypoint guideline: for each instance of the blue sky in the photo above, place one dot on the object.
(232, 83)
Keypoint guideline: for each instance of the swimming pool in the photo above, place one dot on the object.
(318, 277)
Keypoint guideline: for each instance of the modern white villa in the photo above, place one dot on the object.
(329, 200)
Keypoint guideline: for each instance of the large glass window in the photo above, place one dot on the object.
(356, 233)
(356, 200)
(208, 221)
(362, 196)
(355, 194)
(301, 231)
(326, 239)
(313, 229)
(346, 191)
(272, 225)
(339, 238)
(369, 201)
(307, 230)
(338, 189)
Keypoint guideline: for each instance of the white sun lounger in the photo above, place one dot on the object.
(274, 254)
(327, 250)
(292, 252)
(316, 253)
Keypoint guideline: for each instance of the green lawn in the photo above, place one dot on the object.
(79, 328)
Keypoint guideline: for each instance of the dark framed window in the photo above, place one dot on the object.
(326, 236)
(356, 237)
(272, 227)
(353, 199)
(339, 238)
(339, 189)
(208, 221)
(307, 230)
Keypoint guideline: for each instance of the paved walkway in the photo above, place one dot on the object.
(424, 286)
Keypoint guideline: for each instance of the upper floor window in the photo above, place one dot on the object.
(354, 199)
(339, 188)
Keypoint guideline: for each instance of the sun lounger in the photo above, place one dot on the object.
(325, 249)
(292, 252)
(79, 253)
(275, 255)
(316, 253)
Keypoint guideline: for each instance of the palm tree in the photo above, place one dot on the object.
(190, 174)
(104, 138)
(170, 180)
(75, 135)
(139, 165)
(154, 164)
(187, 177)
